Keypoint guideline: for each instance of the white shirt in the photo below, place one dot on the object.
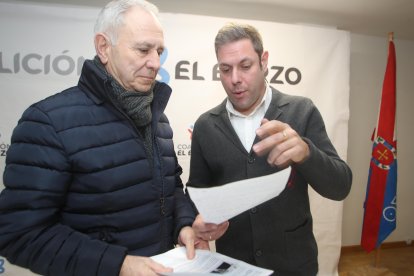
(246, 125)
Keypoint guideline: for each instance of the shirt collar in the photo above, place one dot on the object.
(265, 102)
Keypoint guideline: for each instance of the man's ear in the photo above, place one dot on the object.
(264, 60)
(102, 46)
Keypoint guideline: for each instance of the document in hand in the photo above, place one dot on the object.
(206, 263)
(218, 204)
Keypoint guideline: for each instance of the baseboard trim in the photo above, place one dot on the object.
(385, 245)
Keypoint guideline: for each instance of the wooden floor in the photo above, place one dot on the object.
(392, 259)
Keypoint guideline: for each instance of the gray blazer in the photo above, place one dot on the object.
(278, 233)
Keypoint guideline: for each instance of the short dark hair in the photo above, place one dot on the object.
(232, 32)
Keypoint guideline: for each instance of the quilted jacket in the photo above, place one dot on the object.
(80, 193)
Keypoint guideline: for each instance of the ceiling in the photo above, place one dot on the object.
(368, 17)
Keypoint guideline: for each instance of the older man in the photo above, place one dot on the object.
(92, 183)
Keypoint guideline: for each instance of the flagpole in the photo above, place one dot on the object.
(377, 256)
(391, 36)
(378, 249)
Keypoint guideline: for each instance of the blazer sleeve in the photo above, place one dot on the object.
(324, 170)
(200, 173)
(36, 178)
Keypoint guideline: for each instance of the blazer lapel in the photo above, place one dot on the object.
(273, 112)
(222, 122)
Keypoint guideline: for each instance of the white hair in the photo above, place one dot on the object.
(111, 16)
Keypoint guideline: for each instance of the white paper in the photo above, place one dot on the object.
(206, 263)
(218, 204)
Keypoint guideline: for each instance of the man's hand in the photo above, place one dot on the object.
(188, 238)
(142, 266)
(282, 144)
(209, 231)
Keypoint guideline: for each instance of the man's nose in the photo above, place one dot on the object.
(153, 61)
(235, 76)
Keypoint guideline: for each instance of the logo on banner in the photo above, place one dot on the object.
(3, 148)
(165, 76)
(186, 70)
(34, 64)
(185, 149)
(190, 130)
(2, 269)
(64, 65)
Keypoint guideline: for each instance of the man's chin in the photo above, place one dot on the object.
(144, 88)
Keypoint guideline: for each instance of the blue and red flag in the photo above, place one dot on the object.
(381, 195)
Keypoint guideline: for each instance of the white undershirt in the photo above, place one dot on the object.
(246, 125)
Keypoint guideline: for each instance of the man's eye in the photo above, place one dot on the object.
(224, 69)
(143, 51)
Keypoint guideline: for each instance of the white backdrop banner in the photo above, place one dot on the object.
(43, 47)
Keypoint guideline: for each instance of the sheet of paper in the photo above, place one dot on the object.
(218, 204)
(207, 263)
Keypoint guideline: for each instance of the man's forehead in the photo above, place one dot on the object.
(142, 20)
(229, 62)
(149, 44)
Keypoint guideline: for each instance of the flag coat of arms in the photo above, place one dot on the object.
(381, 202)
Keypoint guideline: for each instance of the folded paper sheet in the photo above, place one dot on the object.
(218, 204)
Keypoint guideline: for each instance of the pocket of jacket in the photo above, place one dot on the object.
(300, 244)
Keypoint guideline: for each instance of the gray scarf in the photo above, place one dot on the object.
(136, 104)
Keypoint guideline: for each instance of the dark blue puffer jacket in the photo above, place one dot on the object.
(80, 193)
